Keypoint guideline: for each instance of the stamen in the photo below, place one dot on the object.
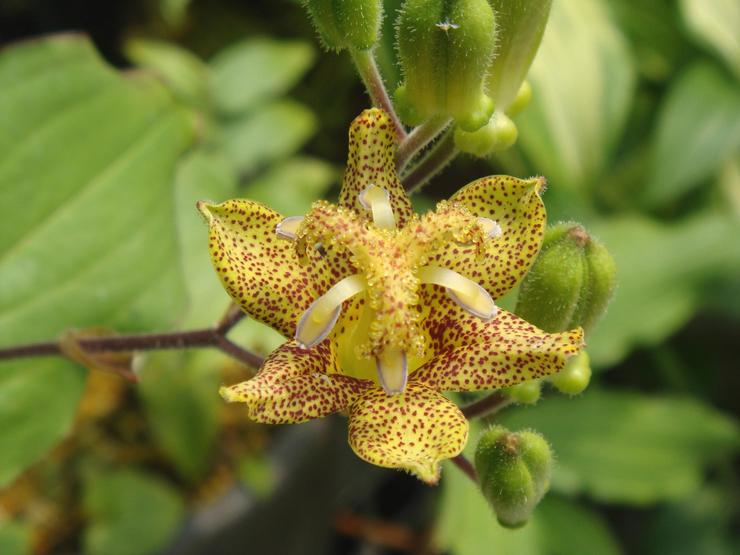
(319, 319)
(490, 227)
(378, 200)
(288, 227)
(468, 294)
(392, 371)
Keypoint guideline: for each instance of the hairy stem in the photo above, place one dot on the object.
(489, 404)
(441, 154)
(419, 138)
(367, 68)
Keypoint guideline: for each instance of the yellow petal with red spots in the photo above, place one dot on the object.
(295, 385)
(413, 431)
(372, 161)
(472, 354)
(515, 207)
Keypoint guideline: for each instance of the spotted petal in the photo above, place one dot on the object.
(372, 161)
(471, 354)
(295, 385)
(413, 431)
(515, 205)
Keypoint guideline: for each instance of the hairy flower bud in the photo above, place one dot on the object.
(575, 377)
(497, 135)
(445, 48)
(570, 283)
(514, 472)
(346, 23)
(521, 24)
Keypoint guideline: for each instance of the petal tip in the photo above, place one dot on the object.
(205, 207)
(228, 394)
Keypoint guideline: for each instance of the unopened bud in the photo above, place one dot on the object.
(571, 282)
(497, 135)
(445, 48)
(346, 23)
(526, 393)
(575, 377)
(514, 473)
(520, 26)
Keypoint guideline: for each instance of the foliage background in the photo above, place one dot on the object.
(635, 121)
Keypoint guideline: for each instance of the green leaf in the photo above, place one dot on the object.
(716, 23)
(14, 538)
(655, 298)
(130, 513)
(629, 448)
(698, 130)
(255, 70)
(273, 132)
(582, 79)
(292, 186)
(86, 161)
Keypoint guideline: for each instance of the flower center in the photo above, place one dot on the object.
(391, 265)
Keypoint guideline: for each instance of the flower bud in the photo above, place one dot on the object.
(574, 378)
(346, 23)
(497, 135)
(571, 282)
(526, 393)
(445, 48)
(514, 473)
(520, 26)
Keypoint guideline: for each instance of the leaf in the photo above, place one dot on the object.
(661, 271)
(273, 132)
(86, 161)
(698, 130)
(14, 538)
(624, 447)
(582, 80)
(715, 23)
(131, 513)
(292, 186)
(179, 390)
(256, 70)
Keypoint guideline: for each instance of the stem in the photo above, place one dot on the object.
(489, 404)
(462, 462)
(419, 138)
(430, 165)
(367, 68)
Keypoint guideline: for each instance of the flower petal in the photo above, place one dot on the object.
(515, 206)
(472, 354)
(372, 161)
(295, 385)
(413, 430)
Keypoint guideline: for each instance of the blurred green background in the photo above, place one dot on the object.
(107, 139)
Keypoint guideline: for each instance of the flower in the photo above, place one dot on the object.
(386, 308)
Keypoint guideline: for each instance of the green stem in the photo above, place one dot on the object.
(367, 68)
(419, 138)
(441, 154)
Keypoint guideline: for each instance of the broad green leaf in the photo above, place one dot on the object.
(87, 158)
(661, 270)
(14, 538)
(293, 185)
(582, 80)
(626, 447)
(269, 134)
(716, 23)
(257, 70)
(698, 130)
(130, 513)
(179, 390)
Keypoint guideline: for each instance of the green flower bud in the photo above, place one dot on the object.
(514, 473)
(571, 282)
(526, 393)
(574, 378)
(497, 135)
(522, 99)
(521, 24)
(445, 48)
(346, 23)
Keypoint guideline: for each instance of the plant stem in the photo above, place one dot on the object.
(441, 154)
(489, 404)
(420, 137)
(367, 68)
(462, 462)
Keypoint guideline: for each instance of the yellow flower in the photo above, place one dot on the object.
(387, 308)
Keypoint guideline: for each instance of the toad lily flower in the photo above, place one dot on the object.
(387, 308)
